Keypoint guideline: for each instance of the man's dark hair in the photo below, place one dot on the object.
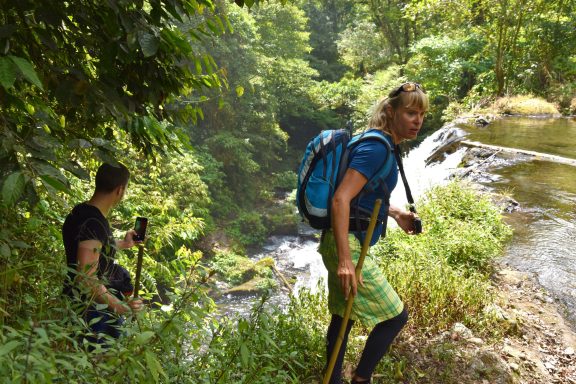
(110, 177)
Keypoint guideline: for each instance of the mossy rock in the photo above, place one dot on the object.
(254, 286)
(265, 262)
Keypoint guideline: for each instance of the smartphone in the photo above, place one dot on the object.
(140, 228)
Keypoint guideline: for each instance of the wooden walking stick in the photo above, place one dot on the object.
(138, 269)
(350, 301)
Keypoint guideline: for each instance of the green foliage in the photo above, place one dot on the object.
(524, 105)
(76, 75)
(374, 88)
(360, 47)
(49, 350)
(442, 274)
(248, 228)
(269, 346)
(326, 20)
(448, 65)
(227, 96)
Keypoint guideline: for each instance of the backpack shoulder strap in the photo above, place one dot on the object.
(378, 178)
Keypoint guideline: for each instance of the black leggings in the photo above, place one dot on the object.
(376, 346)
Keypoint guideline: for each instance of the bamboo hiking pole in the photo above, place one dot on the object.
(350, 301)
(138, 269)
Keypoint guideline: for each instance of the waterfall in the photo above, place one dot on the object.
(422, 177)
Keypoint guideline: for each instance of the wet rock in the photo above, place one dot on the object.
(481, 121)
(449, 142)
(475, 155)
(512, 205)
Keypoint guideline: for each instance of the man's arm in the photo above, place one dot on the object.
(88, 256)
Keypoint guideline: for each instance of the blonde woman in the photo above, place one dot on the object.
(398, 117)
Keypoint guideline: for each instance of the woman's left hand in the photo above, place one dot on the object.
(405, 220)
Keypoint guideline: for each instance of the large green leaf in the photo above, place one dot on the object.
(8, 347)
(13, 187)
(148, 43)
(27, 70)
(7, 72)
(55, 183)
(76, 169)
(144, 337)
(5, 251)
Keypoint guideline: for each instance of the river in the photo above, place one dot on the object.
(544, 225)
(544, 240)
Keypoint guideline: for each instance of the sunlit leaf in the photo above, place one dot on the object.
(144, 337)
(55, 183)
(152, 364)
(244, 354)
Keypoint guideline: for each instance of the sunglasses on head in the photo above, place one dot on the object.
(406, 87)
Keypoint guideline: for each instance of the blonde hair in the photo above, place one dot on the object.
(413, 99)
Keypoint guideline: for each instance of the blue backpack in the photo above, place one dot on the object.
(322, 168)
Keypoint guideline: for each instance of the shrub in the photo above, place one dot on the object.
(442, 274)
(248, 229)
(525, 105)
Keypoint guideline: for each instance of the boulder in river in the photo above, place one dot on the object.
(449, 142)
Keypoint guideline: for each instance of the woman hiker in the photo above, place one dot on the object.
(399, 117)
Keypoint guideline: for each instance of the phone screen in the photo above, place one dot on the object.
(140, 228)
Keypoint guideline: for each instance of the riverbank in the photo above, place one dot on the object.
(538, 345)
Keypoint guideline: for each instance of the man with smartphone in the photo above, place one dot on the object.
(90, 250)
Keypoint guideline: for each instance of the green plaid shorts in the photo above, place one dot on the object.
(375, 302)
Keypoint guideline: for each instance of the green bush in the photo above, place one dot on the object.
(248, 229)
(442, 274)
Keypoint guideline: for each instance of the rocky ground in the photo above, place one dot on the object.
(543, 348)
(538, 346)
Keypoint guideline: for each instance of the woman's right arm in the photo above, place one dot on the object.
(351, 185)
